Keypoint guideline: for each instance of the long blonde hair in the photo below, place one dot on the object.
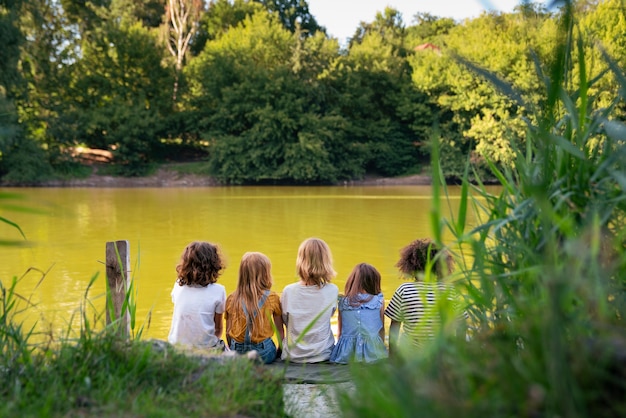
(255, 277)
(314, 264)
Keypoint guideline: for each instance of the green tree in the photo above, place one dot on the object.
(258, 101)
(108, 92)
(378, 98)
(221, 16)
(475, 119)
(294, 15)
(11, 39)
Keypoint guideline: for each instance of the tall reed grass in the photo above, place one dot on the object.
(545, 289)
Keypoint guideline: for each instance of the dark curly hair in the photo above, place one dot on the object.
(415, 256)
(200, 264)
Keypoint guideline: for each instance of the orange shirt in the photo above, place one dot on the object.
(262, 327)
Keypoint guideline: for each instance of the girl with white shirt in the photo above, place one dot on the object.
(198, 300)
(309, 304)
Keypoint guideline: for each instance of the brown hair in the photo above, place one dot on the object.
(255, 277)
(314, 264)
(364, 277)
(200, 264)
(415, 257)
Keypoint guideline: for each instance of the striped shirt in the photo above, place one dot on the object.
(415, 305)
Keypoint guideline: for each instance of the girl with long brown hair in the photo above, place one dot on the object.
(252, 307)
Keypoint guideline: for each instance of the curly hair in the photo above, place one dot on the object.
(200, 264)
(415, 256)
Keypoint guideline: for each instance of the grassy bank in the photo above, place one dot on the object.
(94, 373)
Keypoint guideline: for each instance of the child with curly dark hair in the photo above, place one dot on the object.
(416, 305)
(198, 300)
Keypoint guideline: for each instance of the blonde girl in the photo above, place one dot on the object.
(309, 304)
(251, 308)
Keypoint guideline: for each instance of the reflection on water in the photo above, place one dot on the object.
(360, 224)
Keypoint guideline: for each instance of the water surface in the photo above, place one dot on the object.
(360, 224)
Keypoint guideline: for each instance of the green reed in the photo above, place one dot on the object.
(545, 283)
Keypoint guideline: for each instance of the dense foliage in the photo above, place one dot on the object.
(544, 271)
(261, 93)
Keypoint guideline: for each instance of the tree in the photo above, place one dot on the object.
(258, 100)
(181, 23)
(294, 15)
(476, 120)
(377, 97)
(11, 39)
(219, 18)
(388, 25)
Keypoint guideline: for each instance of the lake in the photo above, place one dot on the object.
(360, 224)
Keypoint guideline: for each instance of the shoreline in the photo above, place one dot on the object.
(165, 178)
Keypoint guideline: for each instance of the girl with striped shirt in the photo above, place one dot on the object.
(417, 307)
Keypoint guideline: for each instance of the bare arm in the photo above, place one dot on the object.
(229, 324)
(219, 326)
(339, 325)
(280, 326)
(382, 321)
(394, 332)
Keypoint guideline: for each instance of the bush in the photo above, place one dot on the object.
(26, 164)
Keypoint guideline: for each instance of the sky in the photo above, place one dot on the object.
(342, 17)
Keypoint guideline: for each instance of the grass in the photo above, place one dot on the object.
(199, 168)
(94, 372)
(546, 285)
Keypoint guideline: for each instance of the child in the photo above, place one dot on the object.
(309, 304)
(361, 313)
(414, 304)
(198, 299)
(249, 308)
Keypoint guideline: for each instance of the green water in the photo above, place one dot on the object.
(360, 224)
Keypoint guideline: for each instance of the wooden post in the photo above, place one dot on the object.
(118, 284)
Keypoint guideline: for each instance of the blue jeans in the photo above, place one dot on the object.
(266, 349)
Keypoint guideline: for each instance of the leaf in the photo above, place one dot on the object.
(615, 130)
(13, 224)
(500, 85)
(566, 146)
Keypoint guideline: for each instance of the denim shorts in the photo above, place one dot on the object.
(266, 349)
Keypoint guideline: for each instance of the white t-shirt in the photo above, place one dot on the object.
(301, 305)
(193, 321)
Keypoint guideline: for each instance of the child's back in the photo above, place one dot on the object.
(309, 304)
(193, 320)
(198, 300)
(308, 341)
(361, 326)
